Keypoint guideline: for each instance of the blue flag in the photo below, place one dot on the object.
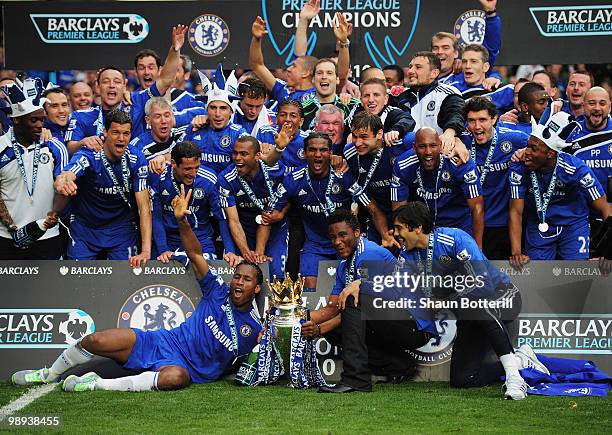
(568, 377)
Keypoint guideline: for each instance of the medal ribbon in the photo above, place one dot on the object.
(178, 192)
(543, 201)
(21, 164)
(370, 172)
(427, 269)
(230, 319)
(487, 162)
(258, 202)
(125, 175)
(349, 273)
(100, 123)
(422, 186)
(330, 207)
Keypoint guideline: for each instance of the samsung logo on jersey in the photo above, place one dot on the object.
(90, 28)
(317, 208)
(107, 190)
(381, 183)
(495, 167)
(192, 208)
(599, 164)
(433, 195)
(215, 158)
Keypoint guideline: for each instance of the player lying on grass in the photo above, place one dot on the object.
(223, 328)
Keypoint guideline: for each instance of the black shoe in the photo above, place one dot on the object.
(339, 388)
(392, 379)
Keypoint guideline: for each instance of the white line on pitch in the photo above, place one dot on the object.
(30, 396)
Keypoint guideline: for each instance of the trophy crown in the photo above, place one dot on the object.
(287, 291)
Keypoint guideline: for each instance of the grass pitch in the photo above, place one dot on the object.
(222, 407)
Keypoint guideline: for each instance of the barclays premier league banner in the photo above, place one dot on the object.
(85, 35)
(47, 306)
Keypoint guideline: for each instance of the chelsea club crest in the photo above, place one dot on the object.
(198, 193)
(439, 349)
(506, 146)
(155, 307)
(470, 27)
(209, 35)
(225, 141)
(245, 330)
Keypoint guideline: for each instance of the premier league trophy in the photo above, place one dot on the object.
(287, 311)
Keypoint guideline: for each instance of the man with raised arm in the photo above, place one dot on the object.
(199, 350)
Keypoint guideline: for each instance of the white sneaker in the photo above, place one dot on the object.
(516, 388)
(528, 359)
(31, 377)
(87, 382)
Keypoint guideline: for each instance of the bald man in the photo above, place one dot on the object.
(81, 96)
(593, 144)
(372, 73)
(595, 126)
(452, 193)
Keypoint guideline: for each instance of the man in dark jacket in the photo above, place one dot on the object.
(431, 103)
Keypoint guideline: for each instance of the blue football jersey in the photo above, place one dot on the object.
(495, 187)
(309, 194)
(524, 127)
(368, 260)
(293, 157)
(445, 190)
(598, 158)
(57, 131)
(90, 122)
(379, 185)
(456, 253)
(184, 117)
(204, 340)
(182, 100)
(151, 148)
(203, 204)
(267, 118)
(99, 200)
(233, 194)
(280, 92)
(583, 136)
(502, 97)
(216, 145)
(575, 187)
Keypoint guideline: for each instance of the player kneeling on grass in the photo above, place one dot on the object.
(199, 350)
(450, 252)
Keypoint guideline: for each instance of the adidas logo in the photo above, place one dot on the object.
(361, 170)
(197, 137)
(165, 192)
(240, 192)
(4, 159)
(302, 192)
